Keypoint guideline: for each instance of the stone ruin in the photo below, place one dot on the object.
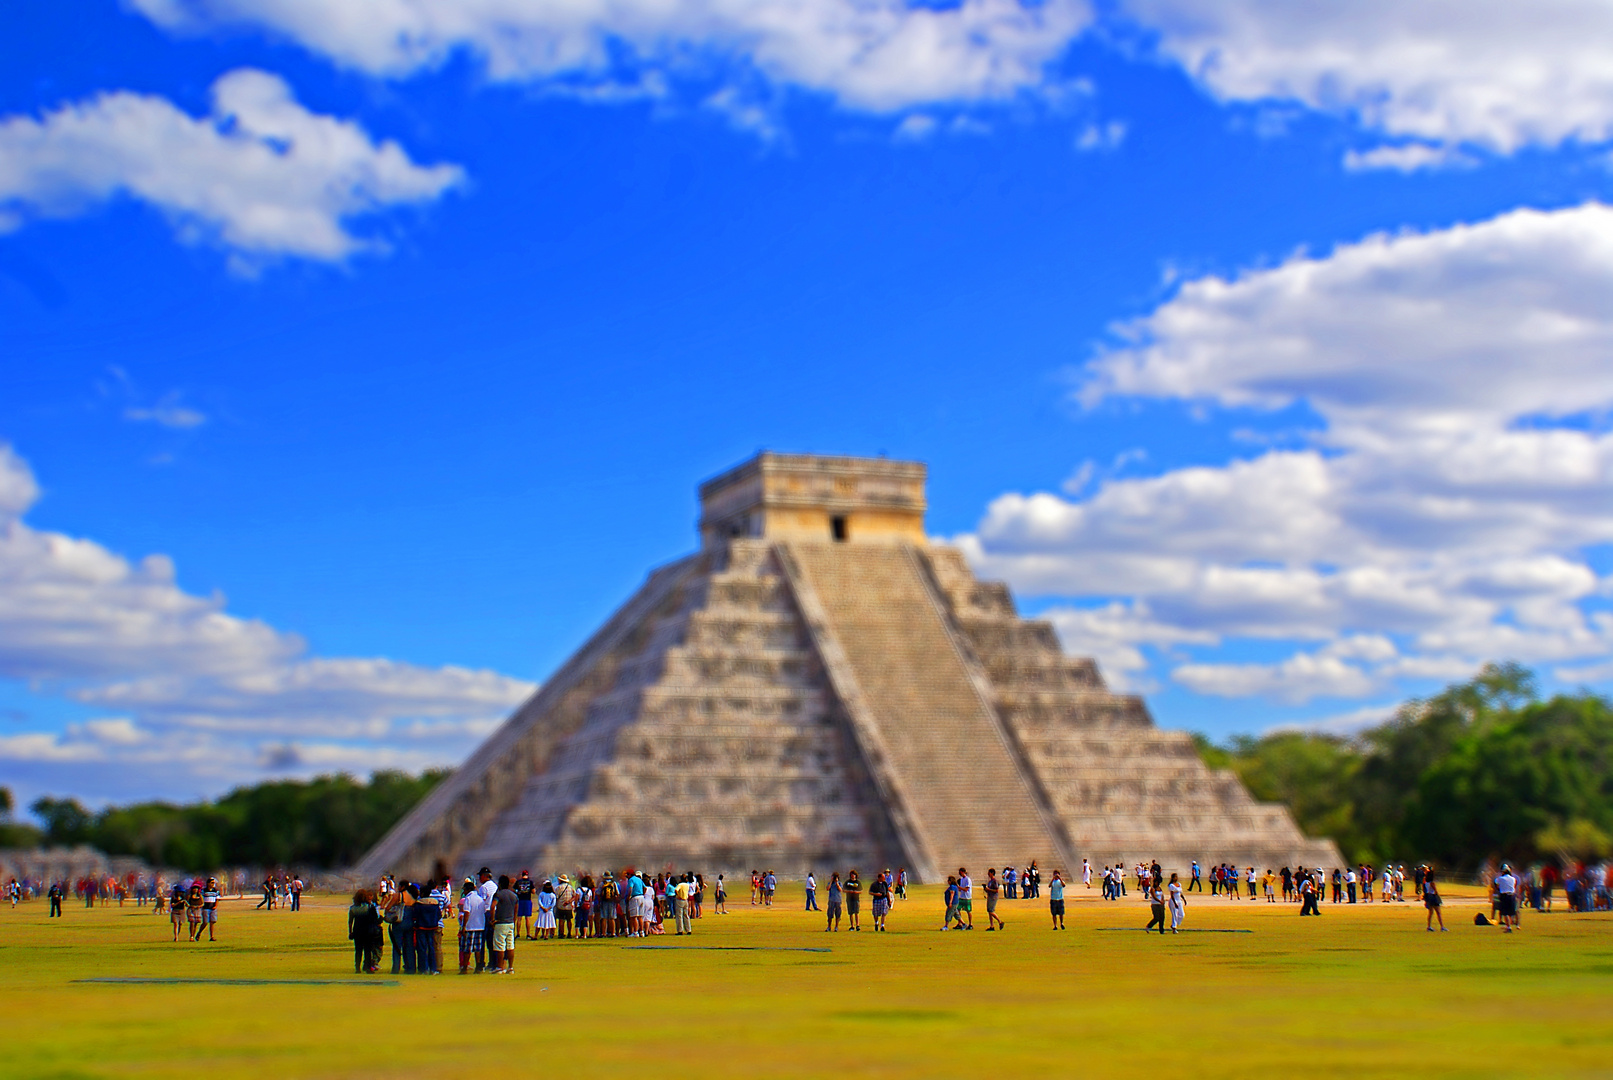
(820, 685)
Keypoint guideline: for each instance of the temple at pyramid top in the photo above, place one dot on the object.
(821, 687)
(808, 497)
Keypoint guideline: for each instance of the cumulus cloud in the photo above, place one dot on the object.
(260, 175)
(1487, 73)
(1439, 518)
(208, 696)
(879, 55)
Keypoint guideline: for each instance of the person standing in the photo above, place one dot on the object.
(853, 889)
(681, 904)
(1309, 896)
(992, 889)
(505, 905)
(547, 923)
(428, 915)
(1194, 882)
(1055, 895)
(1177, 902)
(364, 931)
(472, 924)
(966, 897)
(769, 886)
(1349, 883)
(524, 888)
(296, 893)
(721, 907)
(1086, 874)
(811, 892)
(1431, 900)
(56, 904)
(832, 915)
(1506, 899)
(901, 883)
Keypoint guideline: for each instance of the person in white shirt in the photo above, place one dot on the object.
(966, 893)
(811, 892)
(1506, 898)
(1178, 904)
(1086, 873)
(472, 928)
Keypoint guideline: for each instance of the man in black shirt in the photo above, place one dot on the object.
(524, 888)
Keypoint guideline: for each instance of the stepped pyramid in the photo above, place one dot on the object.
(821, 686)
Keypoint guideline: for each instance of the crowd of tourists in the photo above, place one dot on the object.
(488, 915)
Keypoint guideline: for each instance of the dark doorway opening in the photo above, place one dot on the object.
(837, 528)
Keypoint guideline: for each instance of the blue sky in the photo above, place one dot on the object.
(353, 367)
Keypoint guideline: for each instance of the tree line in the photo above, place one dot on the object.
(1487, 768)
(327, 822)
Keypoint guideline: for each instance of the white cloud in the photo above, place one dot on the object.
(1442, 513)
(879, 55)
(208, 696)
(1405, 157)
(1490, 73)
(1348, 723)
(1113, 635)
(260, 175)
(1107, 136)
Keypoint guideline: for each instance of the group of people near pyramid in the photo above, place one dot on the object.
(490, 915)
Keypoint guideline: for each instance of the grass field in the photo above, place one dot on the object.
(1362, 990)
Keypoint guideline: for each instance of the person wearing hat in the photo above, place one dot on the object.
(1506, 899)
(565, 905)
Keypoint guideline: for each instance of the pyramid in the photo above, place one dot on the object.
(821, 686)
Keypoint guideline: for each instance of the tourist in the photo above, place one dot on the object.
(1193, 881)
(966, 897)
(427, 916)
(879, 896)
(1288, 884)
(547, 923)
(586, 905)
(1431, 899)
(1156, 904)
(210, 898)
(364, 930)
(296, 893)
(722, 897)
(392, 915)
(505, 904)
(524, 888)
(1268, 885)
(901, 883)
(1009, 881)
(605, 906)
(681, 900)
(1506, 896)
(1250, 881)
(1055, 894)
(268, 894)
(1349, 884)
(832, 915)
(193, 909)
(755, 888)
(637, 903)
(769, 886)
(949, 898)
(1177, 901)
(176, 908)
(991, 889)
(472, 925)
(1309, 896)
(565, 906)
(1032, 878)
(55, 894)
(1086, 873)
(853, 889)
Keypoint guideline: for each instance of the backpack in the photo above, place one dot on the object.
(427, 916)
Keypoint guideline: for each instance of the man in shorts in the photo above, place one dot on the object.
(176, 908)
(993, 891)
(210, 897)
(505, 904)
(1055, 899)
(524, 888)
(966, 896)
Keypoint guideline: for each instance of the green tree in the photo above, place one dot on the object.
(66, 821)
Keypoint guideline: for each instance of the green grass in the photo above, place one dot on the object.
(1363, 990)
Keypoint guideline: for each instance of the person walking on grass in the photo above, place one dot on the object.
(966, 898)
(176, 908)
(992, 890)
(879, 896)
(901, 883)
(1194, 882)
(1156, 904)
(210, 898)
(1055, 895)
(1176, 900)
(854, 895)
(193, 909)
(1309, 895)
(811, 892)
(1432, 901)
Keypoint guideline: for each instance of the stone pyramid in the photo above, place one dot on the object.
(821, 686)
